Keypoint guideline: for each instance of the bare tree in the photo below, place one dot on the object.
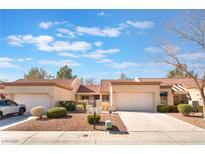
(173, 59)
(90, 81)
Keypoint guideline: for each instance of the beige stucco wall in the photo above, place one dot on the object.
(2, 91)
(75, 85)
(195, 95)
(155, 89)
(55, 93)
(170, 98)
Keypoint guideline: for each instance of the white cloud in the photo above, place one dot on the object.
(40, 41)
(66, 32)
(45, 25)
(123, 65)
(10, 77)
(104, 60)
(6, 62)
(152, 49)
(109, 51)
(68, 55)
(72, 46)
(94, 55)
(98, 43)
(99, 53)
(193, 55)
(24, 59)
(47, 43)
(58, 63)
(106, 32)
(48, 24)
(102, 13)
(3, 59)
(141, 24)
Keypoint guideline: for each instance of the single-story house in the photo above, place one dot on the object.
(41, 92)
(141, 94)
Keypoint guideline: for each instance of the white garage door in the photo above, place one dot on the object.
(32, 100)
(135, 101)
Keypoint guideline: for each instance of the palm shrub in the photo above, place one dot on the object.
(184, 109)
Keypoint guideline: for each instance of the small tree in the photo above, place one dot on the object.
(177, 73)
(65, 73)
(37, 73)
(123, 76)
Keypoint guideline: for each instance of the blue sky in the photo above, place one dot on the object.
(94, 43)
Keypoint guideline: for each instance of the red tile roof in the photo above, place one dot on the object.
(105, 86)
(187, 83)
(63, 83)
(89, 89)
(165, 82)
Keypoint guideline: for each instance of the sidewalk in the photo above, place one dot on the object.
(100, 137)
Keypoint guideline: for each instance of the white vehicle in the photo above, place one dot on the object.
(10, 107)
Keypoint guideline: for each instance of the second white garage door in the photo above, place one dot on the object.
(32, 100)
(135, 101)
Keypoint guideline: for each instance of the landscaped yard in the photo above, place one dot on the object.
(73, 122)
(194, 119)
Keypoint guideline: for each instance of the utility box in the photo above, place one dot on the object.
(108, 124)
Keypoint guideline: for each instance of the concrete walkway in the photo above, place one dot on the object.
(154, 122)
(100, 137)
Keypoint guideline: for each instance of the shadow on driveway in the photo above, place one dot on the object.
(11, 119)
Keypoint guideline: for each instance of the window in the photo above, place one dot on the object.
(105, 97)
(163, 97)
(85, 97)
(11, 103)
(96, 97)
(2, 103)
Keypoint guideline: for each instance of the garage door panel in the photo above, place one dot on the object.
(32, 100)
(135, 101)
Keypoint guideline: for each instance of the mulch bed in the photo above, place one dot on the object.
(73, 122)
(194, 119)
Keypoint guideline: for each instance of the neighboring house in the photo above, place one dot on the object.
(141, 94)
(41, 92)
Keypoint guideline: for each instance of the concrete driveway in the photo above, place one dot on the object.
(12, 120)
(158, 122)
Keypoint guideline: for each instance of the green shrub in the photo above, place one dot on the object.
(200, 109)
(185, 109)
(90, 118)
(69, 105)
(173, 108)
(56, 112)
(84, 105)
(163, 108)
